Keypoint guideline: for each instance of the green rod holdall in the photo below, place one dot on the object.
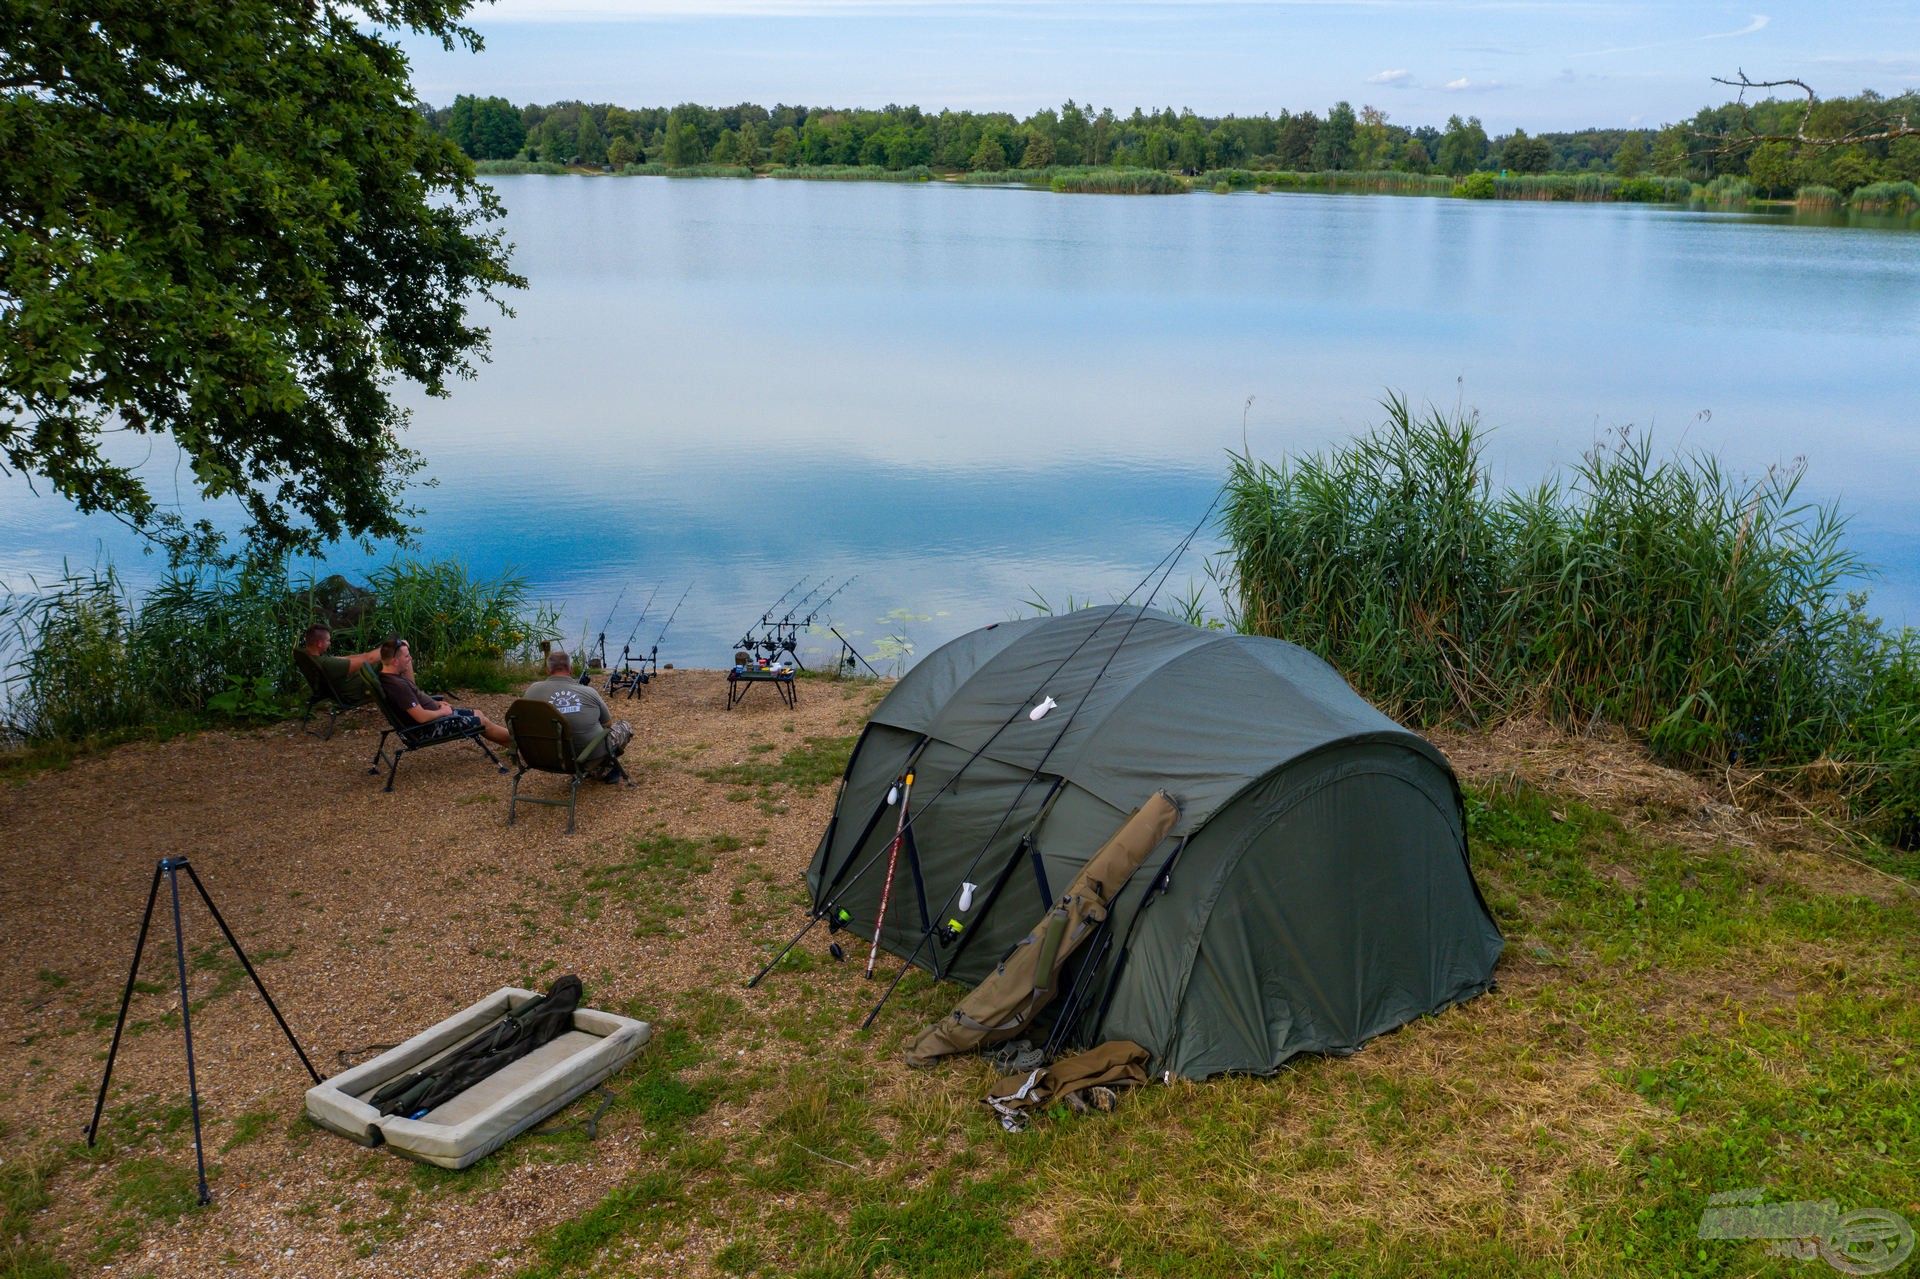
(1006, 1003)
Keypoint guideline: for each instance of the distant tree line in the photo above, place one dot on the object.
(896, 137)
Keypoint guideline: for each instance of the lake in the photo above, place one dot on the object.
(968, 395)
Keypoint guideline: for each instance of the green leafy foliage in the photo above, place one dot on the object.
(233, 227)
(1708, 612)
(91, 660)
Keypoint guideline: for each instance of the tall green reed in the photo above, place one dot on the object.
(88, 658)
(1706, 611)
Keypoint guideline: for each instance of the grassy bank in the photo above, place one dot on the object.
(95, 662)
(1709, 613)
(1684, 1008)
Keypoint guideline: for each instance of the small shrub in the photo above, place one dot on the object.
(1476, 186)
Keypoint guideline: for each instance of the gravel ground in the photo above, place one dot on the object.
(370, 916)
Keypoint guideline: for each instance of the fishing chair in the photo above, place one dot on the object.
(409, 736)
(362, 687)
(543, 744)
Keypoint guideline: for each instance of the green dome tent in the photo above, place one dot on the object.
(1313, 893)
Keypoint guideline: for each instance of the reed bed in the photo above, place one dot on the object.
(1593, 188)
(1007, 177)
(1708, 612)
(651, 169)
(1725, 190)
(854, 173)
(1887, 197)
(508, 168)
(710, 171)
(91, 660)
(1117, 182)
(1818, 197)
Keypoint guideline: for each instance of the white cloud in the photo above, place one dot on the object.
(1399, 77)
(1758, 22)
(1464, 85)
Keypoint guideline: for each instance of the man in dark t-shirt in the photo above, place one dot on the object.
(396, 682)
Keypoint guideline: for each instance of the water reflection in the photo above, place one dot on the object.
(963, 394)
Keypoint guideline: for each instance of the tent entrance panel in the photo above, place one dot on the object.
(1350, 912)
(878, 759)
(949, 831)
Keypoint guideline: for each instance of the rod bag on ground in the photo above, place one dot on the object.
(1014, 993)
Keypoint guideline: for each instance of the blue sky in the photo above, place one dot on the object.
(1532, 63)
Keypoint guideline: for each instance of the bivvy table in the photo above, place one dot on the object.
(498, 1108)
(741, 682)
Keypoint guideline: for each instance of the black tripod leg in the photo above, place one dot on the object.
(248, 965)
(126, 997)
(170, 865)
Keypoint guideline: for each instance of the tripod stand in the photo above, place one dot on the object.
(171, 868)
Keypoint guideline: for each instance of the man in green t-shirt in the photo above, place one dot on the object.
(339, 669)
(585, 711)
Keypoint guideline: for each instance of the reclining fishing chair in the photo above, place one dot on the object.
(542, 743)
(360, 688)
(409, 736)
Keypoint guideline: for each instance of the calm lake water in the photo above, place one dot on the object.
(966, 395)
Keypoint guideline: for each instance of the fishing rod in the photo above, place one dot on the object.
(1038, 768)
(588, 660)
(650, 661)
(849, 654)
(821, 607)
(832, 890)
(625, 676)
(786, 634)
(766, 618)
(801, 602)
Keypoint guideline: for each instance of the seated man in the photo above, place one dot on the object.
(584, 710)
(396, 681)
(338, 669)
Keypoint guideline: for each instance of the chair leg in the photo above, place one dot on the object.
(513, 796)
(573, 794)
(379, 754)
(480, 741)
(333, 714)
(394, 766)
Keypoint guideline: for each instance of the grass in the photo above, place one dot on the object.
(1671, 1021)
(1708, 612)
(652, 879)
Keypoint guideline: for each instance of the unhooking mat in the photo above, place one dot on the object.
(477, 1122)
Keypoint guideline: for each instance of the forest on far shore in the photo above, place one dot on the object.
(1716, 142)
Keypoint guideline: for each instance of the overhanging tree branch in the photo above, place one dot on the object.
(1884, 129)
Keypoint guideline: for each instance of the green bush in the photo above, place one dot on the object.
(92, 661)
(1705, 612)
(1476, 186)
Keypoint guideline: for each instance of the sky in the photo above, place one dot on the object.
(1536, 64)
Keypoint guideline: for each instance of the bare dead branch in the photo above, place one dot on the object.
(1886, 129)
